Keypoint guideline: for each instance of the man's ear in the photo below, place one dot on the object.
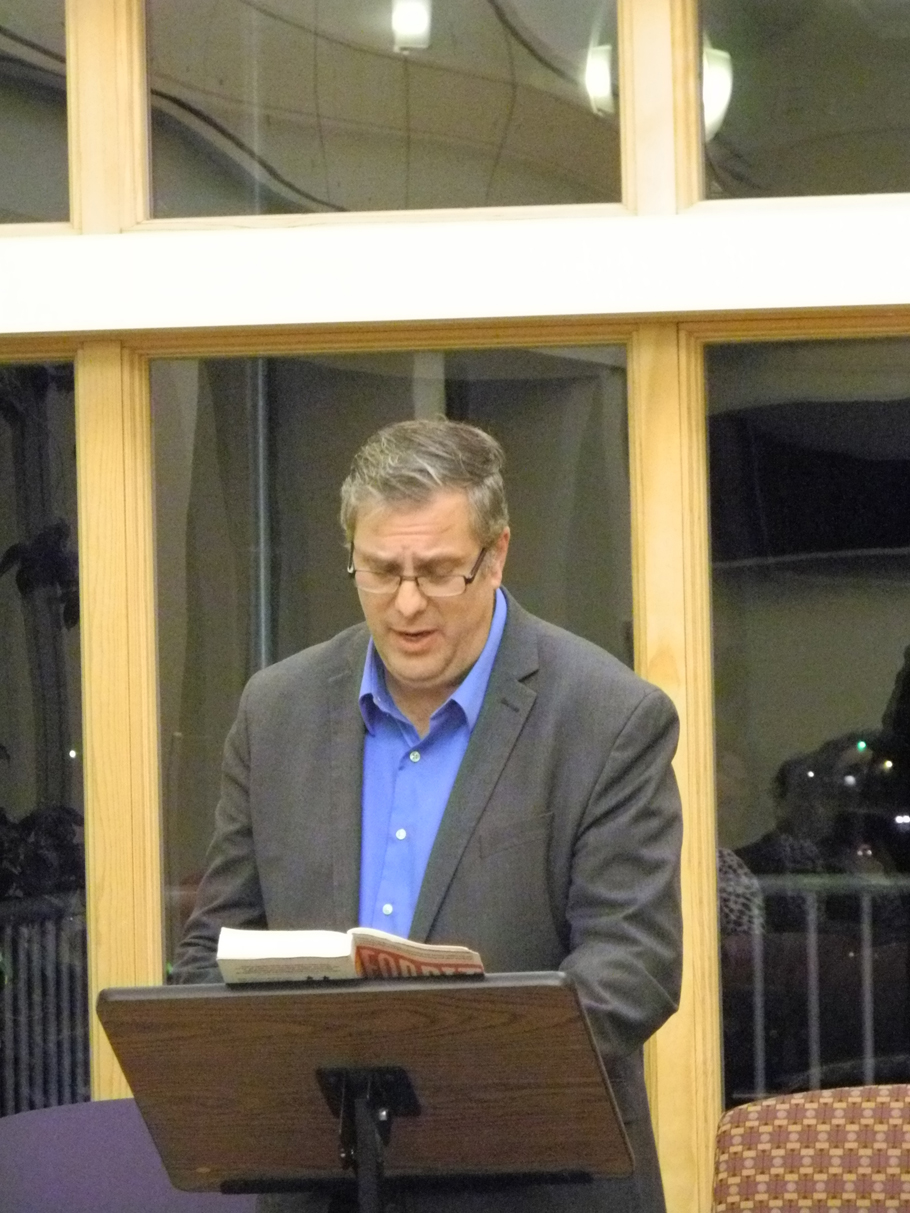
(497, 557)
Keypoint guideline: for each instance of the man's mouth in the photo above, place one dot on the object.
(414, 639)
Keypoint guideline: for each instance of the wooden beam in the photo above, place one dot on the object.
(673, 649)
(714, 260)
(660, 105)
(116, 559)
(107, 114)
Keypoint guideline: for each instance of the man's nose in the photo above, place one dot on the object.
(409, 598)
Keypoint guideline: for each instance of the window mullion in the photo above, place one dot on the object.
(107, 110)
(673, 649)
(123, 848)
(660, 122)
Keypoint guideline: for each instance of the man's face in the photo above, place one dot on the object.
(427, 644)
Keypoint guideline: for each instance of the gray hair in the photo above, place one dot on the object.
(409, 462)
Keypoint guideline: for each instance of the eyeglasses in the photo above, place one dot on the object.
(431, 585)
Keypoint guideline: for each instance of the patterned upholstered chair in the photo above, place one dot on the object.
(847, 1148)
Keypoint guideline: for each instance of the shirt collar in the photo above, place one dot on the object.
(468, 695)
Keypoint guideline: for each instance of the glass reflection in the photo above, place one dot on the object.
(33, 148)
(820, 101)
(308, 106)
(249, 459)
(810, 477)
(43, 986)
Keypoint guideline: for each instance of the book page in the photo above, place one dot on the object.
(241, 944)
(253, 955)
(287, 968)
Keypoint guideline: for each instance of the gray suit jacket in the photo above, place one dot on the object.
(558, 848)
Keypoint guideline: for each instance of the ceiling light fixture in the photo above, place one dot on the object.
(717, 84)
(411, 20)
(716, 87)
(599, 79)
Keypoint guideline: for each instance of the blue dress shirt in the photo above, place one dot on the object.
(407, 780)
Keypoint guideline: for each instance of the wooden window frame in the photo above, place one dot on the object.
(665, 273)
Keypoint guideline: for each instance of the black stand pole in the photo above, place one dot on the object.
(366, 1101)
(368, 1157)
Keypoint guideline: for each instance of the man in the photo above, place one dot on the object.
(460, 771)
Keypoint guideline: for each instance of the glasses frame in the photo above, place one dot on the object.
(467, 578)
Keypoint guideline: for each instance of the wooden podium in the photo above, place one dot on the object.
(419, 1081)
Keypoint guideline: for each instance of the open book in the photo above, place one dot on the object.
(245, 955)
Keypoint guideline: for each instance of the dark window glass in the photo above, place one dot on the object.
(305, 107)
(43, 988)
(33, 155)
(249, 460)
(810, 488)
(820, 100)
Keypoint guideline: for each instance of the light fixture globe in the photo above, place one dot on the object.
(411, 23)
(716, 87)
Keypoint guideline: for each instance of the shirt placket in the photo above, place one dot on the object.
(398, 862)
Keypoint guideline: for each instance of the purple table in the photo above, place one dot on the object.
(92, 1158)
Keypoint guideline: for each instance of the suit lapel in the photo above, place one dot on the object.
(505, 708)
(346, 729)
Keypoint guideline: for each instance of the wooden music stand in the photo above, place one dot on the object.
(278, 1088)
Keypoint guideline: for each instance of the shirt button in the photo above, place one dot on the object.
(401, 834)
(387, 908)
(414, 755)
